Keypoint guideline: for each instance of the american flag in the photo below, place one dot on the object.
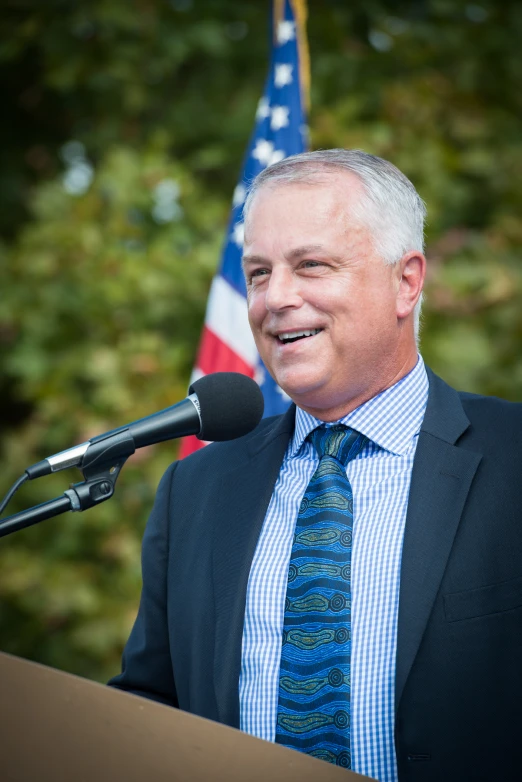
(226, 343)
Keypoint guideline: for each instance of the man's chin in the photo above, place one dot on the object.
(305, 392)
(321, 400)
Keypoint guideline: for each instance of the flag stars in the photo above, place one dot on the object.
(279, 118)
(276, 156)
(263, 151)
(284, 396)
(283, 75)
(266, 154)
(263, 109)
(239, 195)
(259, 375)
(285, 32)
(238, 234)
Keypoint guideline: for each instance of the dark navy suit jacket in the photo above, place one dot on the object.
(458, 687)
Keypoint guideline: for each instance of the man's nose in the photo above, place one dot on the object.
(283, 290)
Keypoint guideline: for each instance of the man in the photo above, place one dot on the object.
(347, 579)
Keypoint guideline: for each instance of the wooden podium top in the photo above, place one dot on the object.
(55, 727)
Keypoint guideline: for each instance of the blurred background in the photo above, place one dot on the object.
(124, 127)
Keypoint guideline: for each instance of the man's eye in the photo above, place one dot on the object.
(311, 264)
(257, 273)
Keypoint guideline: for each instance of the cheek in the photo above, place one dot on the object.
(354, 327)
(256, 309)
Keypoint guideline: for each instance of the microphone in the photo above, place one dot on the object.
(220, 406)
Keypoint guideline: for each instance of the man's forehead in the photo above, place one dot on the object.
(327, 200)
(329, 190)
(334, 180)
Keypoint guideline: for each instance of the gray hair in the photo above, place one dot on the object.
(391, 208)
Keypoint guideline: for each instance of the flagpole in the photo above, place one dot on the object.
(300, 8)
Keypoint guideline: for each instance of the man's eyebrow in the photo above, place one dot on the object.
(306, 249)
(313, 249)
(298, 252)
(253, 259)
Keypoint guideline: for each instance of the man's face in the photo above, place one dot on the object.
(322, 305)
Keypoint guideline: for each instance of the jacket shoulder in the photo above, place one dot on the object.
(491, 406)
(234, 451)
(495, 424)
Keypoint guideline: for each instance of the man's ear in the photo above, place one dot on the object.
(411, 272)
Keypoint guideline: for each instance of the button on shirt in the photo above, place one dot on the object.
(380, 478)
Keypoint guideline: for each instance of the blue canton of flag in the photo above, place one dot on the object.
(280, 131)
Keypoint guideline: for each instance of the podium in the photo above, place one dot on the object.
(55, 727)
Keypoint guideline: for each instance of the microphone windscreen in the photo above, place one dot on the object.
(231, 405)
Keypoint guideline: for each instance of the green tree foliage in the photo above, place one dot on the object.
(104, 333)
(128, 123)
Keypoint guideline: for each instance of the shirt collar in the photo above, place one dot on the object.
(391, 419)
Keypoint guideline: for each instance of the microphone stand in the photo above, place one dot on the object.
(100, 471)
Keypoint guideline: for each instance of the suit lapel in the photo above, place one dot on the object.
(441, 479)
(240, 510)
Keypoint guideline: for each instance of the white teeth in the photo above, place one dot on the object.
(297, 334)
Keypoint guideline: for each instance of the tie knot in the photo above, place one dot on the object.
(339, 441)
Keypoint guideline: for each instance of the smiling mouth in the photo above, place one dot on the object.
(293, 336)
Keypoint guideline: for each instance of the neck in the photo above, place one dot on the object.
(338, 411)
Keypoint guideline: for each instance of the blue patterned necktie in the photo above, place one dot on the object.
(313, 714)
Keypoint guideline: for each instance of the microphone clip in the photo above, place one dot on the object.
(101, 467)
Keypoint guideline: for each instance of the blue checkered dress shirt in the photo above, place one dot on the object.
(380, 479)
